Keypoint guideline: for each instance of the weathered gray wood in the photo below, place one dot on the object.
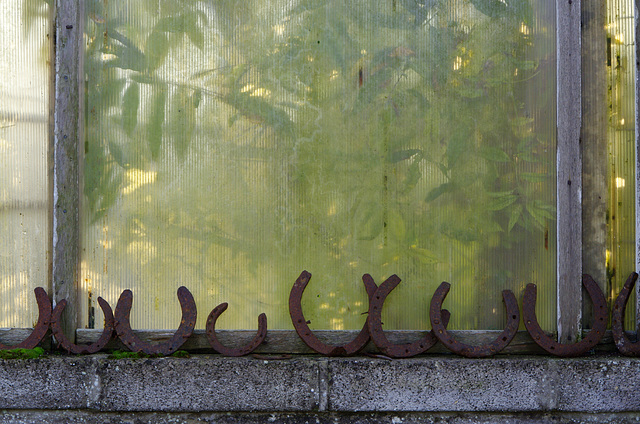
(569, 180)
(287, 341)
(594, 147)
(65, 159)
(14, 336)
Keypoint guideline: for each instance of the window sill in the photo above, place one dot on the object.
(287, 341)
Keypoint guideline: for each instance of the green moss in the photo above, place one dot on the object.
(119, 354)
(21, 353)
(181, 354)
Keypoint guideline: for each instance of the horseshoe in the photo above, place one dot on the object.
(80, 349)
(228, 351)
(483, 351)
(305, 333)
(377, 334)
(623, 343)
(601, 314)
(40, 330)
(125, 333)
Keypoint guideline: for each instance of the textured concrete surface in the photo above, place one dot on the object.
(449, 384)
(353, 386)
(85, 417)
(52, 383)
(208, 383)
(507, 384)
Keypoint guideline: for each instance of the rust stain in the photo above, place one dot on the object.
(546, 238)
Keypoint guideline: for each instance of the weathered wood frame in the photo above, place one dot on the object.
(65, 162)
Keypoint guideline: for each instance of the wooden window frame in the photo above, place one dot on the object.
(66, 141)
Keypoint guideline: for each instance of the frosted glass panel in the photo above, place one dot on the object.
(24, 31)
(231, 145)
(621, 77)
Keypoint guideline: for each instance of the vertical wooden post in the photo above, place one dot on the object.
(569, 180)
(64, 157)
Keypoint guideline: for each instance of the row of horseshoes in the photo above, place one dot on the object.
(371, 331)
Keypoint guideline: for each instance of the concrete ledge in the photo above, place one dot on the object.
(502, 384)
(90, 417)
(444, 384)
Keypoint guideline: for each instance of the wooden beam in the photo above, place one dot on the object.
(569, 164)
(288, 342)
(64, 160)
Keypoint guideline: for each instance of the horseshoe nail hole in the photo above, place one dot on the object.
(552, 348)
(513, 317)
(299, 321)
(406, 351)
(504, 339)
(421, 346)
(436, 322)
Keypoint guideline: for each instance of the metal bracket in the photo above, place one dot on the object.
(601, 315)
(228, 351)
(483, 351)
(125, 333)
(623, 343)
(66, 344)
(377, 334)
(41, 327)
(305, 333)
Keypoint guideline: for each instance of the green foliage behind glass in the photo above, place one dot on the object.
(407, 136)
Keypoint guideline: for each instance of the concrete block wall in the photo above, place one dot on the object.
(215, 389)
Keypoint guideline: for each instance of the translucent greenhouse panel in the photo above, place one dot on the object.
(24, 31)
(621, 142)
(231, 145)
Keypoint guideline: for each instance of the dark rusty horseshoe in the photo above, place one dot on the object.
(623, 343)
(67, 345)
(598, 328)
(125, 333)
(40, 330)
(513, 321)
(375, 325)
(228, 351)
(305, 333)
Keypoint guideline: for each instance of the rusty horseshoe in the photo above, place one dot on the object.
(598, 327)
(125, 333)
(67, 345)
(623, 343)
(228, 351)
(41, 327)
(305, 333)
(483, 351)
(375, 325)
